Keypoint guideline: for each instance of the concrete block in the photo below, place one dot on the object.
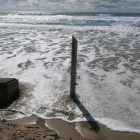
(9, 89)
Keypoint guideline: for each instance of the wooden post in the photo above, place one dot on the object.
(73, 67)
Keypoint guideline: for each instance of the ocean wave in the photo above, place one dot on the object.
(108, 71)
(67, 19)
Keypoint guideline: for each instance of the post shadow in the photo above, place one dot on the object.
(91, 121)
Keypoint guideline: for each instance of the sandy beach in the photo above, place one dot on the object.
(79, 130)
(35, 48)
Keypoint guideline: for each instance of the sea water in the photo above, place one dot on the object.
(35, 48)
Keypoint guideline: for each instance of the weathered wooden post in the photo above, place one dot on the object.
(73, 67)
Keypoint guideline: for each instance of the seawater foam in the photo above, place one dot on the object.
(108, 72)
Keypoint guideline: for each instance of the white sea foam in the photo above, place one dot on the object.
(108, 71)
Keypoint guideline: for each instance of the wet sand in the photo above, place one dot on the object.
(79, 130)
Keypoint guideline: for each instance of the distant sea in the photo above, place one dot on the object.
(35, 48)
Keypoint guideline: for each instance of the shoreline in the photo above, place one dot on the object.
(80, 130)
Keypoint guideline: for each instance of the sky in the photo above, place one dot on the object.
(71, 5)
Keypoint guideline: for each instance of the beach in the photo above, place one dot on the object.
(63, 130)
(35, 48)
